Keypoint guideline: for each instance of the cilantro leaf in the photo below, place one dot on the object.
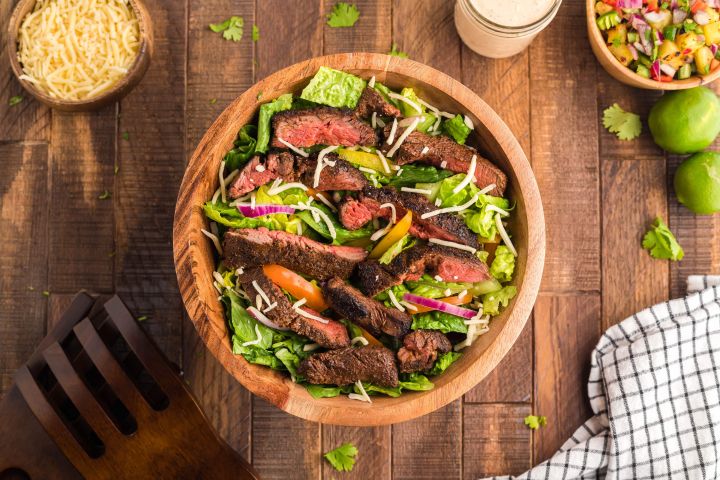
(255, 33)
(534, 422)
(343, 457)
(125, 136)
(343, 15)
(661, 242)
(15, 100)
(104, 196)
(626, 125)
(232, 28)
(397, 53)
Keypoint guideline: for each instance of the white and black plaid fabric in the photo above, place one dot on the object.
(655, 390)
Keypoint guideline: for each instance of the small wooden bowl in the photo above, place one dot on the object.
(623, 74)
(122, 88)
(194, 261)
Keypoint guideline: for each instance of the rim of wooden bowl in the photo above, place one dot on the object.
(194, 255)
(623, 74)
(123, 87)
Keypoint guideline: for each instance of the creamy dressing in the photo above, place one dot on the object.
(512, 13)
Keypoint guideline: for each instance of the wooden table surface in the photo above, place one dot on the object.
(58, 236)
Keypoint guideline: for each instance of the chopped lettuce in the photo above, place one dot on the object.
(342, 235)
(267, 110)
(482, 221)
(243, 148)
(371, 388)
(437, 320)
(398, 290)
(243, 324)
(428, 287)
(324, 391)
(447, 195)
(415, 381)
(487, 286)
(493, 301)
(411, 175)
(334, 88)
(455, 127)
(443, 362)
(396, 248)
(291, 361)
(503, 264)
(228, 216)
(407, 109)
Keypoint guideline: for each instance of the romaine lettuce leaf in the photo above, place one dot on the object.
(406, 109)
(243, 324)
(243, 148)
(415, 381)
(228, 216)
(396, 248)
(503, 264)
(371, 388)
(443, 362)
(342, 235)
(411, 175)
(455, 127)
(398, 290)
(437, 320)
(493, 301)
(334, 88)
(267, 110)
(290, 360)
(428, 287)
(451, 199)
(323, 391)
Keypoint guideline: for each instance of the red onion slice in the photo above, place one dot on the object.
(261, 210)
(441, 306)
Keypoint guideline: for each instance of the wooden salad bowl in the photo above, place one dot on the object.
(623, 74)
(122, 87)
(194, 261)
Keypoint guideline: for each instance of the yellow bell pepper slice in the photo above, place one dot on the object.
(396, 233)
(364, 159)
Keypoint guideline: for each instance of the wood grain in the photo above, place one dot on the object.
(373, 444)
(565, 151)
(497, 442)
(371, 33)
(23, 253)
(567, 327)
(429, 447)
(150, 167)
(81, 224)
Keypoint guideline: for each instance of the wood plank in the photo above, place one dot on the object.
(567, 328)
(28, 120)
(57, 304)
(217, 72)
(371, 33)
(285, 39)
(412, 22)
(81, 224)
(429, 447)
(23, 254)
(496, 440)
(564, 131)
(284, 446)
(150, 169)
(373, 444)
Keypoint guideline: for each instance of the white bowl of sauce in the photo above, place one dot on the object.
(502, 28)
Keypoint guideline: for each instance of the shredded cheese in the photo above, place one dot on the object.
(271, 307)
(458, 208)
(373, 120)
(215, 240)
(380, 122)
(399, 172)
(302, 312)
(360, 339)
(309, 347)
(504, 235)
(469, 176)
(261, 292)
(259, 168)
(408, 305)
(414, 105)
(425, 150)
(321, 164)
(327, 202)
(363, 396)
(384, 161)
(493, 208)
(393, 130)
(261, 317)
(367, 170)
(295, 149)
(299, 303)
(459, 246)
(78, 49)
(221, 175)
(321, 214)
(258, 337)
(439, 278)
(394, 301)
(422, 191)
(468, 122)
(402, 138)
(371, 82)
(275, 189)
(393, 214)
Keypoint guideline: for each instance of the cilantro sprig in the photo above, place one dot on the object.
(396, 52)
(626, 125)
(661, 242)
(232, 28)
(534, 421)
(343, 15)
(343, 457)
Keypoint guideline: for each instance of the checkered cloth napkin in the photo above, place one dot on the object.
(655, 390)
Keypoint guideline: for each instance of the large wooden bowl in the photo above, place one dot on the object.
(623, 74)
(194, 253)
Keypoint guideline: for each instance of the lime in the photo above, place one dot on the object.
(697, 182)
(685, 121)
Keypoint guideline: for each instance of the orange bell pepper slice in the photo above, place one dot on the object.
(456, 300)
(296, 285)
(396, 233)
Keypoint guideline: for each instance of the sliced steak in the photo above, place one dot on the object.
(420, 350)
(445, 226)
(371, 101)
(366, 312)
(247, 247)
(373, 278)
(340, 176)
(259, 171)
(332, 334)
(451, 264)
(354, 214)
(346, 366)
(321, 126)
(444, 152)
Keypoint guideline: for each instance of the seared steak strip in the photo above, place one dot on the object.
(366, 312)
(291, 168)
(420, 350)
(321, 126)
(345, 366)
(332, 334)
(373, 278)
(444, 152)
(371, 101)
(445, 226)
(247, 247)
(451, 264)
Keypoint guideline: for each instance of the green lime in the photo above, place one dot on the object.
(697, 182)
(685, 121)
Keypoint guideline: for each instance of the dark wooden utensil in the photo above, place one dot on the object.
(98, 400)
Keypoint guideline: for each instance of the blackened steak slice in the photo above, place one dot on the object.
(444, 152)
(373, 278)
(420, 350)
(354, 214)
(321, 126)
(259, 171)
(366, 312)
(247, 247)
(450, 264)
(339, 175)
(445, 226)
(371, 101)
(372, 363)
(332, 334)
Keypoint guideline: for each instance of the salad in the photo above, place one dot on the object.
(361, 244)
(664, 41)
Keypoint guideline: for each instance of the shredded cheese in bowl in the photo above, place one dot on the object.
(78, 49)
